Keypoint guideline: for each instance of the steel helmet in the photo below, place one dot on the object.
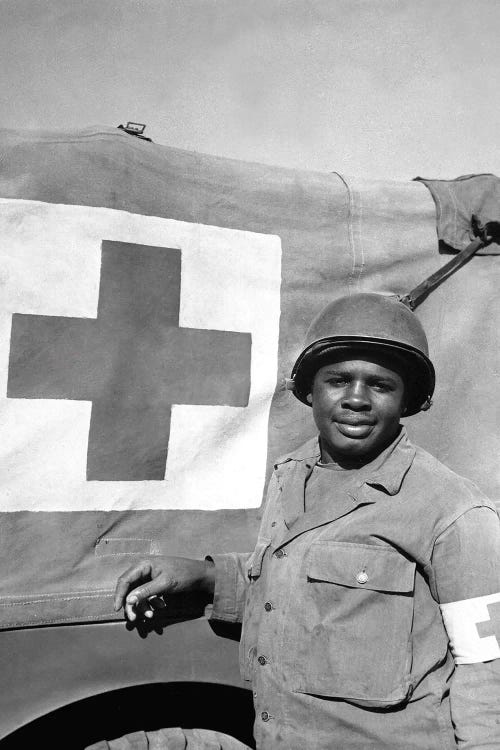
(371, 321)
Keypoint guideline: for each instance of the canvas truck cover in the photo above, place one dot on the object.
(152, 304)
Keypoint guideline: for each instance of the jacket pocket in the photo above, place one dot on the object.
(353, 636)
(249, 633)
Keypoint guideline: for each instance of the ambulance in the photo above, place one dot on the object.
(153, 302)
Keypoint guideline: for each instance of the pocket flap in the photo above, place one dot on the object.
(254, 564)
(363, 566)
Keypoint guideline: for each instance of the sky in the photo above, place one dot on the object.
(386, 89)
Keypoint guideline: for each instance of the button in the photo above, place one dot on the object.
(265, 716)
(280, 553)
(268, 606)
(262, 660)
(362, 577)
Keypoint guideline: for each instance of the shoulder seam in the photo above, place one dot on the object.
(460, 515)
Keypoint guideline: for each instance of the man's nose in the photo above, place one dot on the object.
(356, 396)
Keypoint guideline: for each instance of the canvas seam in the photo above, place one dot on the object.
(42, 598)
(87, 618)
(350, 228)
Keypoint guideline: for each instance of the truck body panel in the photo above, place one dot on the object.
(153, 303)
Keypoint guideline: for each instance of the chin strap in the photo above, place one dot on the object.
(486, 234)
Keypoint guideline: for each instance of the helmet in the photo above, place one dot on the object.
(371, 321)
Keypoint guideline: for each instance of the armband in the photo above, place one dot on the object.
(473, 627)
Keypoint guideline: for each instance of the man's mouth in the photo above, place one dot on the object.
(354, 428)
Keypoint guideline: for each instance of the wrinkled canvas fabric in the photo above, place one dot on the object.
(153, 303)
(458, 200)
(172, 738)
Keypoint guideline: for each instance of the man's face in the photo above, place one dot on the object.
(357, 402)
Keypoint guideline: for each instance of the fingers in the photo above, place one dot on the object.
(128, 579)
(137, 609)
(145, 599)
(139, 590)
(145, 608)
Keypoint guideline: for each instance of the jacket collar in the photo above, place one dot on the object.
(388, 474)
(294, 469)
(309, 452)
(396, 462)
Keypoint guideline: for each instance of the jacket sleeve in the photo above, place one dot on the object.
(230, 586)
(466, 566)
(231, 570)
(475, 702)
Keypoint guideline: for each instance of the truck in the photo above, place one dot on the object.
(153, 303)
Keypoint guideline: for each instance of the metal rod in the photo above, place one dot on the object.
(418, 294)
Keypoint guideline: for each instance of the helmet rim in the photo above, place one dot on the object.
(419, 399)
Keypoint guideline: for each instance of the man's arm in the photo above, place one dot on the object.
(231, 580)
(147, 582)
(475, 705)
(466, 563)
(222, 580)
(231, 570)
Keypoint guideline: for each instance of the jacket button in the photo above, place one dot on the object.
(265, 716)
(268, 606)
(362, 577)
(262, 660)
(280, 553)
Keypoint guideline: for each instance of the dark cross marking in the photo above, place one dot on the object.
(132, 362)
(492, 626)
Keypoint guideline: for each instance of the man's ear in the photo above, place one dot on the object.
(404, 408)
(309, 398)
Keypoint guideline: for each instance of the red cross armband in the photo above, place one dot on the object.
(473, 627)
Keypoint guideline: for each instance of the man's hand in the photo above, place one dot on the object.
(140, 590)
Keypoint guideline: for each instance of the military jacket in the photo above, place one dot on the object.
(353, 613)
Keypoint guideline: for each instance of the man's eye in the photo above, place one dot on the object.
(381, 386)
(337, 381)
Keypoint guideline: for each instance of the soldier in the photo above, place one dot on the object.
(368, 604)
